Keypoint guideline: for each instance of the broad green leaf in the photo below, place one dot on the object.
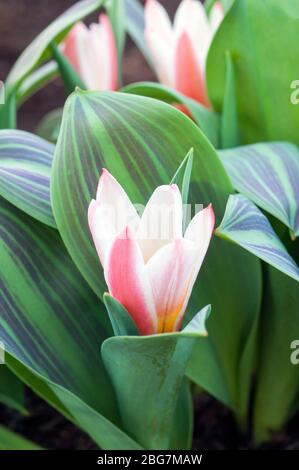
(11, 441)
(142, 142)
(52, 325)
(38, 51)
(134, 17)
(49, 127)
(25, 166)
(244, 224)
(229, 117)
(36, 80)
(206, 119)
(11, 390)
(152, 369)
(68, 74)
(277, 380)
(264, 48)
(268, 174)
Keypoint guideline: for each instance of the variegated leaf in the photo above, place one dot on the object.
(268, 174)
(244, 224)
(25, 166)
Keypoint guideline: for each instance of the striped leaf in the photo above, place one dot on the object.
(142, 142)
(52, 325)
(268, 174)
(207, 120)
(244, 224)
(25, 165)
(38, 50)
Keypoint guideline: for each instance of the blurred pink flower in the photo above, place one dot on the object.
(92, 52)
(179, 51)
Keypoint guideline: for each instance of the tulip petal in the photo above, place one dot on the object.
(189, 77)
(161, 221)
(163, 56)
(110, 214)
(70, 44)
(170, 272)
(201, 227)
(216, 16)
(98, 57)
(191, 18)
(128, 282)
(157, 20)
(199, 231)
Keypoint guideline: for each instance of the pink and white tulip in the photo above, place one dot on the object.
(92, 52)
(149, 270)
(179, 51)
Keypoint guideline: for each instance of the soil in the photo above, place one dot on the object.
(20, 22)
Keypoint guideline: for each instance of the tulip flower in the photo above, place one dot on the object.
(179, 51)
(92, 52)
(150, 266)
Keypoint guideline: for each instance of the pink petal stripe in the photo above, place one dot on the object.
(70, 44)
(189, 77)
(128, 282)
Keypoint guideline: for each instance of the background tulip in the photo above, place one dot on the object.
(179, 51)
(150, 266)
(92, 52)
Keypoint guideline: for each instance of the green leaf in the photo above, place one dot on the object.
(268, 174)
(277, 380)
(260, 59)
(207, 120)
(134, 15)
(68, 74)
(49, 127)
(153, 366)
(12, 441)
(186, 165)
(11, 390)
(39, 49)
(25, 166)
(229, 118)
(52, 325)
(116, 14)
(244, 224)
(121, 321)
(8, 111)
(36, 80)
(142, 141)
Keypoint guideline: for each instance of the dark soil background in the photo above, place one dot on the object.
(20, 22)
